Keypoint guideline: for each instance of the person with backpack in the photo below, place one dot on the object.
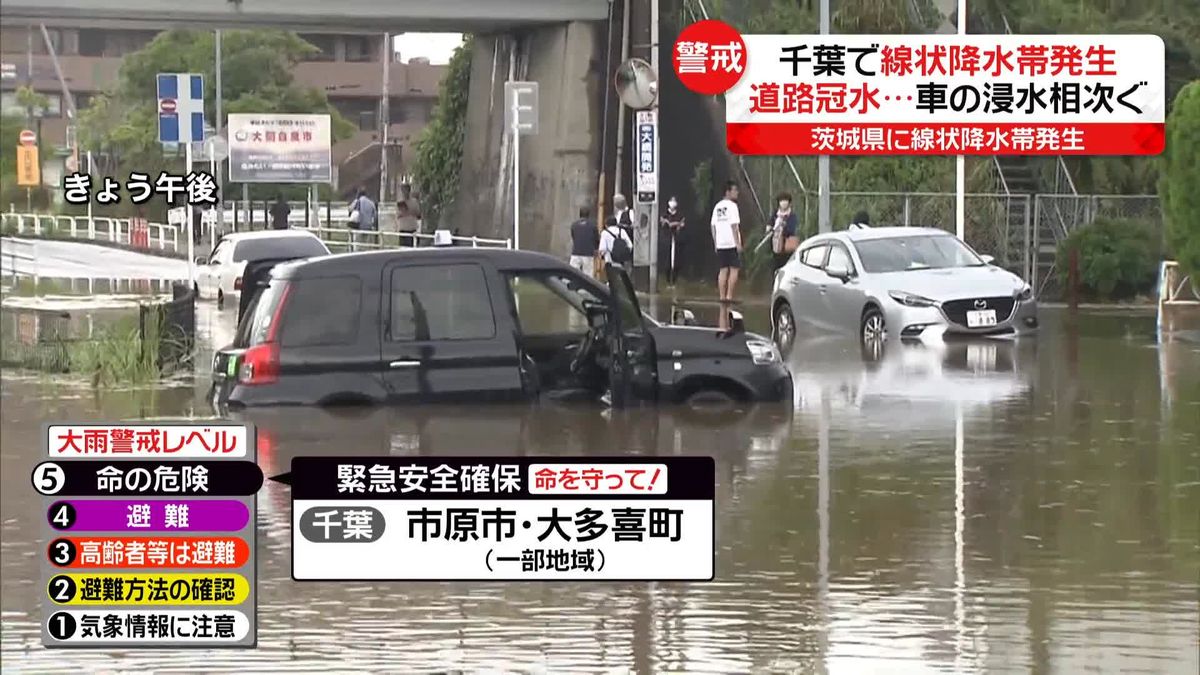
(783, 230)
(615, 245)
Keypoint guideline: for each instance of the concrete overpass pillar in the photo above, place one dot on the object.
(559, 166)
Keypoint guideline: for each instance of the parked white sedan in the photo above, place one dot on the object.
(219, 275)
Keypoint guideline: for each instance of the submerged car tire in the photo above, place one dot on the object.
(784, 323)
(709, 399)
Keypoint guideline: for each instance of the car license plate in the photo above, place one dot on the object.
(981, 317)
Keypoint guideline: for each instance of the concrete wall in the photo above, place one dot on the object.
(559, 165)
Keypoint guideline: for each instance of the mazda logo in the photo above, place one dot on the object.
(980, 304)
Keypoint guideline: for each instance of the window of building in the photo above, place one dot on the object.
(446, 302)
(326, 43)
(10, 106)
(358, 48)
(367, 120)
(322, 312)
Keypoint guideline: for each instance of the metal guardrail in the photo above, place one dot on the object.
(167, 237)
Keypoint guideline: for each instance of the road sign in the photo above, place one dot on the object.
(521, 107)
(647, 172)
(180, 107)
(28, 137)
(29, 172)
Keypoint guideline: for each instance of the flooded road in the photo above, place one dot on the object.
(975, 507)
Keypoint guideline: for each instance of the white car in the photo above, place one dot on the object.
(219, 275)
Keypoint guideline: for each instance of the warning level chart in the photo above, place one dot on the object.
(150, 535)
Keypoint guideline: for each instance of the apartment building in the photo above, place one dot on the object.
(349, 68)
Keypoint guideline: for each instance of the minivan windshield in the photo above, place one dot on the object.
(919, 252)
(279, 247)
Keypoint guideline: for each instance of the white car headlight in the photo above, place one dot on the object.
(763, 353)
(911, 299)
(1026, 293)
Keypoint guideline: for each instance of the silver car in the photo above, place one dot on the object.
(911, 282)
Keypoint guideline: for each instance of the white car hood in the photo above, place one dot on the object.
(952, 283)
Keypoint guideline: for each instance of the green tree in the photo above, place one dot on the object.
(1179, 186)
(438, 164)
(121, 126)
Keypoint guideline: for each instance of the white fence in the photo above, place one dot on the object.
(115, 230)
(169, 238)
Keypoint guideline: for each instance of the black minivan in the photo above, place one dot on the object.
(474, 325)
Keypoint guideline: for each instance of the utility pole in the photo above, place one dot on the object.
(29, 114)
(657, 142)
(384, 115)
(220, 166)
(960, 162)
(617, 185)
(823, 223)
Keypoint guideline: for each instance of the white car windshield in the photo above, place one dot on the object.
(922, 252)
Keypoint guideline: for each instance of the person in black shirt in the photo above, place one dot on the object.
(585, 239)
(280, 212)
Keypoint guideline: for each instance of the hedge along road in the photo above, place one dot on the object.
(70, 259)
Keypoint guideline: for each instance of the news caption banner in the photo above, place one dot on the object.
(969, 94)
(502, 519)
(151, 535)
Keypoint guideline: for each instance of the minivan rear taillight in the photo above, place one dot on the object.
(237, 284)
(260, 362)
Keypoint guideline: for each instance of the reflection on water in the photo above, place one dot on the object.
(1008, 506)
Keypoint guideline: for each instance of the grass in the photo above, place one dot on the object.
(116, 353)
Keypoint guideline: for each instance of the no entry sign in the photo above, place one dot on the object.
(27, 137)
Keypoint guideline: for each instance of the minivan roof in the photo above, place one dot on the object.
(502, 258)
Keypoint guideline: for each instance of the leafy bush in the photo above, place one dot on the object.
(1180, 183)
(1117, 258)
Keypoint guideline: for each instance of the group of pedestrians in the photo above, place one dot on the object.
(614, 242)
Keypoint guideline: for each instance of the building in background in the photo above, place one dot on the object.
(348, 68)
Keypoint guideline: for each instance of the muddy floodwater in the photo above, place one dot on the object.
(982, 507)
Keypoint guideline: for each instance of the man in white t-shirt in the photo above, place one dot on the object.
(727, 238)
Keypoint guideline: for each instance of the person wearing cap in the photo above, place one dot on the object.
(861, 218)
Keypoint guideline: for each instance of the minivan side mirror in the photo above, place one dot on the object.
(683, 317)
(838, 272)
(736, 323)
(987, 259)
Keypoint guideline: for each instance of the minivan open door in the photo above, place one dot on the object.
(633, 373)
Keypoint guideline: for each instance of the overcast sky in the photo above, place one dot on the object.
(437, 47)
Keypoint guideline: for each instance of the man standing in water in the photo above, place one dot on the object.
(727, 239)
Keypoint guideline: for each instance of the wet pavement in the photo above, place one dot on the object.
(999, 507)
(73, 259)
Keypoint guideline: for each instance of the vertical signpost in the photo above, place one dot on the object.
(181, 120)
(151, 531)
(521, 118)
(28, 169)
(647, 188)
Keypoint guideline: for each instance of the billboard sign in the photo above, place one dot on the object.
(280, 148)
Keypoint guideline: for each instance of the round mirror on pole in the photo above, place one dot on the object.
(636, 84)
